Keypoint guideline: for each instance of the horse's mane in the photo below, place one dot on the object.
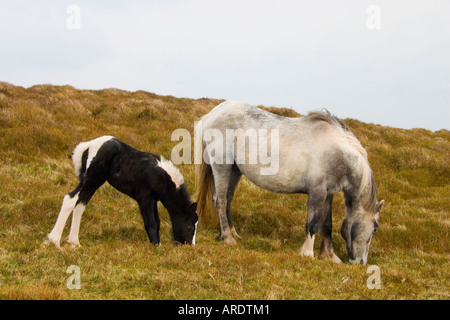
(172, 171)
(326, 116)
(367, 180)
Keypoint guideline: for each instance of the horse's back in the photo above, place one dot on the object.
(307, 146)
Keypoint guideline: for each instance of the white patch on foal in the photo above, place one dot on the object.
(67, 206)
(172, 171)
(75, 227)
(93, 146)
(195, 232)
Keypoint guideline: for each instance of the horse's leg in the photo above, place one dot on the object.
(147, 207)
(315, 206)
(75, 226)
(68, 205)
(221, 173)
(326, 248)
(232, 184)
(90, 185)
(158, 222)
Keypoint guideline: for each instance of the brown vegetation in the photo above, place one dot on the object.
(40, 126)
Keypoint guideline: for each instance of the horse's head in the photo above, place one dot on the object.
(357, 231)
(185, 226)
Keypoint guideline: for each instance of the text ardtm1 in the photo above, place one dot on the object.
(227, 309)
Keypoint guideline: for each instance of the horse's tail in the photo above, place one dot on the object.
(85, 151)
(204, 181)
(77, 157)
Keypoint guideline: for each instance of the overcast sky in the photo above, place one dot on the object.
(385, 62)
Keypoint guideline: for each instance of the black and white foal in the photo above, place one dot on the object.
(146, 177)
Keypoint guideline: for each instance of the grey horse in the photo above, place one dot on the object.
(315, 154)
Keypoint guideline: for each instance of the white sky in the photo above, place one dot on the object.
(304, 55)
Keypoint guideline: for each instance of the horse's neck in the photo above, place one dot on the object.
(175, 200)
(356, 200)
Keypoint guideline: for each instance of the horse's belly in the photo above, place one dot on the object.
(283, 181)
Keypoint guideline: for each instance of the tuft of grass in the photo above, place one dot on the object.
(40, 126)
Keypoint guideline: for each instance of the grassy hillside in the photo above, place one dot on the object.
(40, 126)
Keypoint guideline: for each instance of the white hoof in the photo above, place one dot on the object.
(306, 251)
(308, 247)
(54, 240)
(234, 233)
(74, 244)
(335, 259)
(229, 241)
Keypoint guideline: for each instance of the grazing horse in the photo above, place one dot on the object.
(145, 177)
(317, 155)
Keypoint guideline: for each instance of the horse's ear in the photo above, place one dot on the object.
(193, 208)
(380, 205)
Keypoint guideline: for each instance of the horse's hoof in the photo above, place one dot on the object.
(53, 241)
(74, 245)
(234, 233)
(229, 241)
(332, 258)
(335, 259)
(47, 243)
(308, 246)
(306, 252)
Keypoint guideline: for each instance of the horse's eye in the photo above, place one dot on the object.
(375, 227)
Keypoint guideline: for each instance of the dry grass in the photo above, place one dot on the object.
(40, 126)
